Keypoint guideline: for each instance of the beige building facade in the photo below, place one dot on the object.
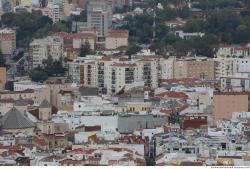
(200, 69)
(116, 39)
(2, 78)
(226, 103)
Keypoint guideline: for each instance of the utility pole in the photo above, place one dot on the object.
(154, 26)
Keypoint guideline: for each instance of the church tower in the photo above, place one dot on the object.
(45, 111)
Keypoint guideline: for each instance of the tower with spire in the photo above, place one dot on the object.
(154, 27)
(45, 111)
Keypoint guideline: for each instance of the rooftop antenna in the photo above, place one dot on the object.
(154, 26)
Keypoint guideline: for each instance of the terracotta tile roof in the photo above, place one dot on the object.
(166, 111)
(81, 126)
(70, 161)
(146, 60)
(84, 36)
(183, 81)
(93, 158)
(93, 128)
(158, 157)
(126, 138)
(246, 124)
(82, 151)
(112, 162)
(190, 163)
(40, 141)
(84, 29)
(93, 138)
(173, 94)
(61, 34)
(117, 33)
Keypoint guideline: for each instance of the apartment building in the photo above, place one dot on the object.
(103, 74)
(16, 95)
(73, 42)
(121, 74)
(148, 71)
(194, 68)
(167, 68)
(7, 41)
(235, 84)
(81, 38)
(229, 67)
(27, 84)
(111, 74)
(99, 16)
(225, 103)
(90, 74)
(5, 6)
(77, 69)
(116, 39)
(242, 65)
(21, 3)
(53, 11)
(2, 78)
(233, 51)
(224, 67)
(41, 49)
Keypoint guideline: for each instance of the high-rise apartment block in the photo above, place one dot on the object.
(7, 41)
(41, 49)
(99, 16)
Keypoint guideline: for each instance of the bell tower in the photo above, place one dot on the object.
(45, 111)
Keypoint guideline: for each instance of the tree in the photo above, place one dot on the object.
(58, 67)
(48, 66)
(173, 118)
(28, 25)
(38, 74)
(85, 49)
(2, 60)
(59, 27)
(132, 49)
(53, 67)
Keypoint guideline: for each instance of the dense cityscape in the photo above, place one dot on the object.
(124, 82)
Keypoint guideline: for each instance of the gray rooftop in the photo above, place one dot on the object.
(127, 124)
(45, 104)
(14, 119)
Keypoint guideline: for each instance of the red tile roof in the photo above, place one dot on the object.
(93, 128)
(246, 124)
(173, 94)
(40, 141)
(93, 158)
(117, 33)
(84, 36)
(82, 151)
